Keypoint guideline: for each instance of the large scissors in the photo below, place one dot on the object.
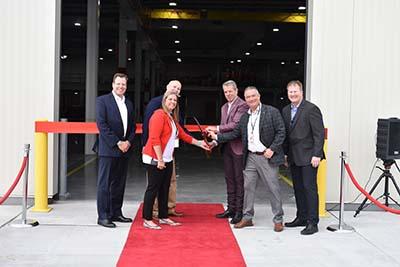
(203, 133)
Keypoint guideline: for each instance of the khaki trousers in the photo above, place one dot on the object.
(171, 194)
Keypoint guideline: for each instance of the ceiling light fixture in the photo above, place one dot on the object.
(259, 43)
(101, 58)
(64, 56)
(177, 41)
(172, 4)
(174, 26)
(301, 8)
(232, 61)
(77, 24)
(282, 62)
(129, 59)
(179, 59)
(247, 53)
(275, 29)
(109, 50)
(239, 60)
(178, 51)
(297, 62)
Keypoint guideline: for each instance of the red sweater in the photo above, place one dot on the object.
(160, 131)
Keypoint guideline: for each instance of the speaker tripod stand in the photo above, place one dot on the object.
(386, 176)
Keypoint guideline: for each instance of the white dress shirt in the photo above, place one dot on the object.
(123, 110)
(253, 131)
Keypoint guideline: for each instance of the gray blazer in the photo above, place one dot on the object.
(305, 135)
(272, 133)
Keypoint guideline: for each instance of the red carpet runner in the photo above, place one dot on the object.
(202, 240)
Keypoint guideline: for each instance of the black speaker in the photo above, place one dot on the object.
(388, 139)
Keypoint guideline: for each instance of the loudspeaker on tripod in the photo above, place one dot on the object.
(388, 139)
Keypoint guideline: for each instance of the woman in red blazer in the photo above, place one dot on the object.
(164, 129)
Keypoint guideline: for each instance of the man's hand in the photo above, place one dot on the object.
(124, 146)
(212, 129)
(315, 161)
(212, 144)
(286, 163)
(268, 153)
(212, 135)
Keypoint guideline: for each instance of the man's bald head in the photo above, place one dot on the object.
(174, 86)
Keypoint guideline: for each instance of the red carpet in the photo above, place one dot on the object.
(202, 240)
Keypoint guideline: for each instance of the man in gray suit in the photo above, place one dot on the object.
(232, 151)
(304, 149)
(263, 132)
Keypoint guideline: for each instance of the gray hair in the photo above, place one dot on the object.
(251, 88)
(230, 83)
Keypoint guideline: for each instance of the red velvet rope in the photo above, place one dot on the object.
(21, 171)
(376, 202)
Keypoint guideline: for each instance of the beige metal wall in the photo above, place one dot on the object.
(29, 75)
(353, 74)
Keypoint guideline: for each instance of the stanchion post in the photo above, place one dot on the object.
(341, 227)
(24, 222)
(63, 165)
(41, 176)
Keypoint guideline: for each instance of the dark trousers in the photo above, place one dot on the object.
(158, 182)
(233, 167)
(306, 192)
(111, 186)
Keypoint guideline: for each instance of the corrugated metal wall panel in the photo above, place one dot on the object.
(27, 72)
(354, 77)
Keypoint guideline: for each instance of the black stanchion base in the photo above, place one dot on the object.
(343, 228)
(24, 223)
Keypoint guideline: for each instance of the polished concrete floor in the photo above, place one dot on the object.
(69, 236)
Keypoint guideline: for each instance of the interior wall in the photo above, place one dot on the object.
(29, 72)
(353, 76)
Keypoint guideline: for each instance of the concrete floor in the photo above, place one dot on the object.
(69, 235)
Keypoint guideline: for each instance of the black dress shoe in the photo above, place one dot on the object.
(121, 218)
(225, 214)
(106, 223)
(310, 229)
(296, 223)
(237, 218)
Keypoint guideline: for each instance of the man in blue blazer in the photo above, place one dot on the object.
(115, 120)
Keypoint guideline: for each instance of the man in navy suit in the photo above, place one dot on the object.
(115, 120)
(304, 149)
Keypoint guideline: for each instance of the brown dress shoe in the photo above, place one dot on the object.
(278, 227)
(243, 223)
(175, 213)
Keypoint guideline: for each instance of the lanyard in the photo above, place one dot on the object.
(253, 124)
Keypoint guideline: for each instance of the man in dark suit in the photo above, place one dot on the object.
(153, 105)
(304, 149)
(263, 132)
(232, 151)
(115, 120)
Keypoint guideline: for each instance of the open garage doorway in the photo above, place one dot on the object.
(200, 43)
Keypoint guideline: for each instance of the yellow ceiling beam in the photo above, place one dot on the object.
(172, 14)
(257, 16)
(225, 15)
